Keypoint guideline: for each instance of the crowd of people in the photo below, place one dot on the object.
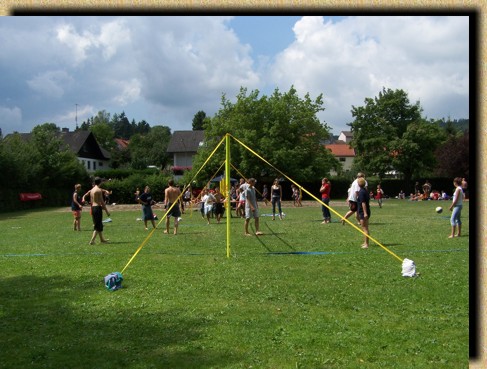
(243, 198)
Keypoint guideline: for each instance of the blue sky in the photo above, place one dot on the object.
(165, 69)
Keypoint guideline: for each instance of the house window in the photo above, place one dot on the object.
(342, 159)
(100, 164)
(88, 165)
(94, 165)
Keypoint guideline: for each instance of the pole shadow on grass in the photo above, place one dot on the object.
(60, 322)
(272, 233)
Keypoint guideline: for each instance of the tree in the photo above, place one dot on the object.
(198, 120)
(282, 128)
(19, 163)
(56, 165)
(121, 126)
(389, 133)
(104, 135)
(150, 149)
(453, 156)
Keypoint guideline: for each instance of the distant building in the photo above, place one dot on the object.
(343, 151)
(345, 136)
(85, 147)
(184, 146)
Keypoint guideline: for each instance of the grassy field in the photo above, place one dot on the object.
(303, 295)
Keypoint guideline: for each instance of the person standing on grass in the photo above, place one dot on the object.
(97, 206)
(171, 196)
(276, 198)
(219, 201)
(352, 197)
(456, 209)
(363, 209)
(251, 208)
(208, 199)
(325, 197)
(77, 207)
(379, 195)
(241, 198)
(147, 201)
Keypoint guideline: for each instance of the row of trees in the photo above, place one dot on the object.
(389, 133)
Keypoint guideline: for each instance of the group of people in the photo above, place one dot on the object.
(245, 197)
(172, 196)
(96, 199)
(247, 206)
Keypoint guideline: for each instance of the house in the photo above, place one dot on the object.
(344, 153)
(84, 146)
(87, 149)
(345, 136)
(183, 146)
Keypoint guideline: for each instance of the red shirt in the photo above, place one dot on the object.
(325, 193)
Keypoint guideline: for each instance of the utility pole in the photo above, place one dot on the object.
(76, 117)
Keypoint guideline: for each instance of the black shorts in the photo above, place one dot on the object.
(219, 208)
(97, 215)
(352, 205)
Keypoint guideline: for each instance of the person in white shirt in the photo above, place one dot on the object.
(456, 209)
(208, 199)
(352, 197)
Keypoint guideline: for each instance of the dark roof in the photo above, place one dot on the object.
(185, 141)
(82, 143)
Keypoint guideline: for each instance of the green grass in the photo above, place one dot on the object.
(186, 305)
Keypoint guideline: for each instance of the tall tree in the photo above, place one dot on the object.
(198, 121)
(121, 126)
(282, 128)
(389, 133)
(57, 165)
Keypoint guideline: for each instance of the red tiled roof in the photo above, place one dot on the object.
(121, 143)
(341, 150)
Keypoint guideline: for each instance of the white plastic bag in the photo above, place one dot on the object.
(408, 268)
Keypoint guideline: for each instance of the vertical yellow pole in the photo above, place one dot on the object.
(228, 190)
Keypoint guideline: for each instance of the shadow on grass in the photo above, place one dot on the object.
(56, 322)
(282, 240)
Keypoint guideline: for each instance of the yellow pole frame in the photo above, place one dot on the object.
(228, 190)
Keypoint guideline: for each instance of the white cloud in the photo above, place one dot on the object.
(354, 58)
(191, 59)
(165, 69)
(107, 38)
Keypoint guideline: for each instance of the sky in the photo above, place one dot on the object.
(165, 69)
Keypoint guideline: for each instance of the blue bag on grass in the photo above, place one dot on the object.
(113, 281)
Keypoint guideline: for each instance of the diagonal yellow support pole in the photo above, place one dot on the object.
(314, 197)
(168, 210)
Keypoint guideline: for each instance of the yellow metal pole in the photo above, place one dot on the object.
(228, 190)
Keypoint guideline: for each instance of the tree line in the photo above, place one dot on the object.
(389, 133)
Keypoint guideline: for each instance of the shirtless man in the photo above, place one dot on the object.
(171, 196)
(97, 207)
